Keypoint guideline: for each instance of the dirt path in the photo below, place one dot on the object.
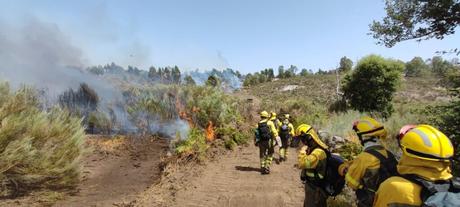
(235, 180)
(116, 175)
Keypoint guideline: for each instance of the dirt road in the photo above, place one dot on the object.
(235, 180)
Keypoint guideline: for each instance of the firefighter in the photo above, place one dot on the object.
(285, 132)
(424, 169)
(370, 168)
(312, 160)
(266, 133)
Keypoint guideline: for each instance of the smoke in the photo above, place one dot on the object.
(36, 54)
(39, 54)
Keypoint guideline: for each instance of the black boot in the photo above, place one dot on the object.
(263, 170)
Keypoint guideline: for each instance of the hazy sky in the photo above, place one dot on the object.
(248, 35)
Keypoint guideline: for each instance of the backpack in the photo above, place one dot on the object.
(387, 166)
(284, 130)
(264, 131)
(332, 182)
(437, 193)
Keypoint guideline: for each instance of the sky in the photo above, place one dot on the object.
(247, 35)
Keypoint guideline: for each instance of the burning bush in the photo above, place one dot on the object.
(38, 149)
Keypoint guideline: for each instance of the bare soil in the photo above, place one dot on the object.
(232, 180)
(115, 171)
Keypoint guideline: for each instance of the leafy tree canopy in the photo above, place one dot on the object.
(416, 19)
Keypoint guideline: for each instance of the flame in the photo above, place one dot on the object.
(210, 132)
(183, 113)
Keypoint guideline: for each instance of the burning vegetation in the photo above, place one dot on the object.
(41, 137)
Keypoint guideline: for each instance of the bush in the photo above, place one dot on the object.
(371, 86)
(446, 118)
(232, 136)
(98, 122)
(38, 149)
(194, 146)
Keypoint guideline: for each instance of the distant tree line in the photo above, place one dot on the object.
(268, 74)
(171, 75)
(436, 66)
(166, 75)
(417, 67)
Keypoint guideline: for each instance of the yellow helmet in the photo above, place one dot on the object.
(264, 114)
(367, 128)
(427, 143)
(273, 114)
(307, 129)
(286, 116)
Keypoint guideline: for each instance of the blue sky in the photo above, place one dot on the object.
(248, 35)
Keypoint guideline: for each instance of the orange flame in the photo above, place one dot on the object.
(183, 113)
(210, 132)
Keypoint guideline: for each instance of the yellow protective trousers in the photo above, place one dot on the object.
(266, 151)
(285, 145)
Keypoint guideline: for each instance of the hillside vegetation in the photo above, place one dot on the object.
(310, 99)
(39, 149)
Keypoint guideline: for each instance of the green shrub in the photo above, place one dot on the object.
(232, 136)
(371, 86)
(38, 149)
(213, 105)
(446, 117)
(100, 121)
(341, 124)
(194, 146)
(230, 144)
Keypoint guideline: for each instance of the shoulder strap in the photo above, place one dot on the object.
(390, 157)
(377, 155)
(455, 185)
(429, 188)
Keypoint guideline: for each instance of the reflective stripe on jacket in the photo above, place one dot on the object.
(315, 161)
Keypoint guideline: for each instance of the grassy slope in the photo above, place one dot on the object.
(320, 90)
(309, 102)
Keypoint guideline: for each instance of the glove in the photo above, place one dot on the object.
(302, 156)
(303, 150)
(301, 160)
(278, 140)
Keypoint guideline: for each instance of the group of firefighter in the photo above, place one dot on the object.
(422, 176)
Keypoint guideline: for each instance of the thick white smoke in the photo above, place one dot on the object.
(39, 54)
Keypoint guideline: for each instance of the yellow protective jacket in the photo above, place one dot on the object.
(291, 129)
(397, 191)
(315, 160)
(276, 122)
(364, 169)
(271, 125)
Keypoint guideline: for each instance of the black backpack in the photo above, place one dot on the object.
(387, 166)
(437, 193)
(264, 131)
(284, 130)
(332, 182)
